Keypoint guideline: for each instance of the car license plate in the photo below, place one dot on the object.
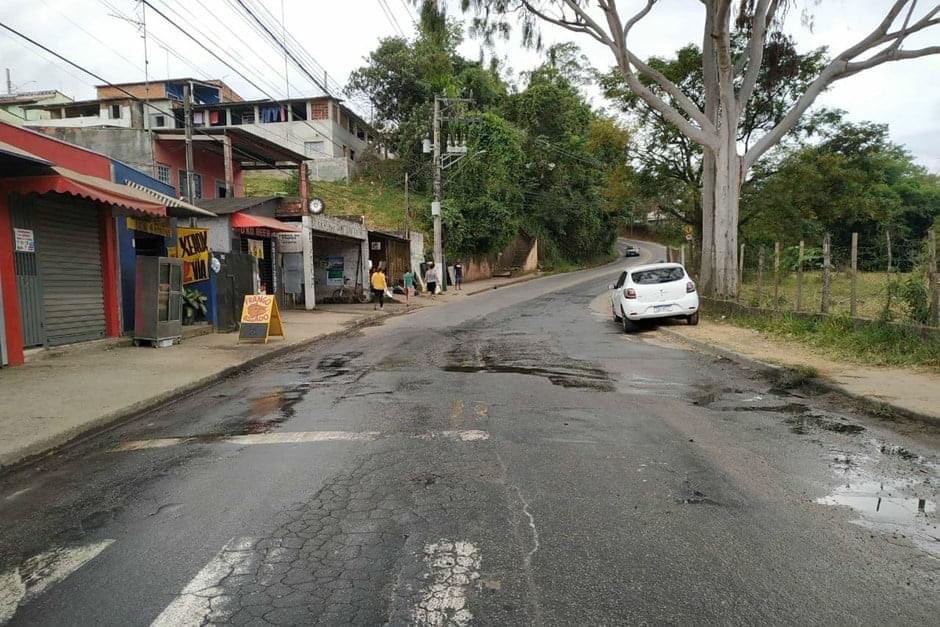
(659, 308)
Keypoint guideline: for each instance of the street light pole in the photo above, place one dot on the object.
(436, 200)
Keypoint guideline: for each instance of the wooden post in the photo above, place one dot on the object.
(682, 255)
(827, 275)
(934, 318)
(760, 277)
(888, 237)
(799, 278)
(776, 275)
(740, 272)
(853, 295)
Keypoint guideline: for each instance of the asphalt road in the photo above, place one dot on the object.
(509, 459)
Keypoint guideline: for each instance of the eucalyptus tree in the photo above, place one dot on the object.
(729, 84)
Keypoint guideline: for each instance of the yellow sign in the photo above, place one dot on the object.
(256, 248)
(260, 318)
(192, 246)
(154, 226)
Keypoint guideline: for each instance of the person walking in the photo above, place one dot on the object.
(430, 279)
(458, 275)
(378, 287)
(409, 282)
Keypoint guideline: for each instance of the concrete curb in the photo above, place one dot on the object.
(876, 406)
(29, 455)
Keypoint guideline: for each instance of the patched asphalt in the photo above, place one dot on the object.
(603, 479)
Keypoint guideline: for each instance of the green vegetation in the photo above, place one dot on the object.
(877, 343)
(794, 376)
(382, 205)
(539, 160)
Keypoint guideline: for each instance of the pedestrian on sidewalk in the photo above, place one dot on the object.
(458, 275)
(430, 279)
(378, 287)
(409, 282)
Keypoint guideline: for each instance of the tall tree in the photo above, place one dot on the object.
(730, 83)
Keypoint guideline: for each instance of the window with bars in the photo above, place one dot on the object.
(197, 185)
(163, 173)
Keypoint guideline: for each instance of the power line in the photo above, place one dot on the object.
(391, 17)
(411, 16)
(129, 94)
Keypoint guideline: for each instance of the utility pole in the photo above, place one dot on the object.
(407, 209)
(188, 122)
(146, 111)
(9, 83)
(436, 200)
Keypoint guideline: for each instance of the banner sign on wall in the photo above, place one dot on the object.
(154, 226)
(290, 242)
(192, 246)
(335, 270)
(256, 248)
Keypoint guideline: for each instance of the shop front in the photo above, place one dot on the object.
(58, 246)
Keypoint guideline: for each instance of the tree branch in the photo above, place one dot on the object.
(755, 54)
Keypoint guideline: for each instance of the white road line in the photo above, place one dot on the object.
(40, 572)
(195, 602)
(300, 437)
(454, 567)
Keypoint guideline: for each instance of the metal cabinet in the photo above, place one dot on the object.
(158, 301)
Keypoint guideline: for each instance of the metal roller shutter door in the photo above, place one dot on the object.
(70, 261)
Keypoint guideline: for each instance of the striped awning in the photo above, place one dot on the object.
(174, 206)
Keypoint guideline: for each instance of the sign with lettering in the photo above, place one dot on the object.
(192, 246)
(260, 318)
(25, 240)
(335, 270)
(147, 224)
(256, 248)
(290, 242)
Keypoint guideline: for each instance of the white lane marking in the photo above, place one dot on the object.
(38, 573)
(299, 437)
(454, 567)
(194, 603)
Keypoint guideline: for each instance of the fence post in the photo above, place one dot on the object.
(853, 296)
(799, 278)
(827, 275)
(760, 277)
(932, 279)
(776, 275)
(682, 255)
(740, 273)
(888, 237)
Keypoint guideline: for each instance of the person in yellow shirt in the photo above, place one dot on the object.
(378, 287)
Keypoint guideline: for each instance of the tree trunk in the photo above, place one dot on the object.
(710, 79)
(727, 197)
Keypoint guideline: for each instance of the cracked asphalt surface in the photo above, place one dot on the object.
(600, 479)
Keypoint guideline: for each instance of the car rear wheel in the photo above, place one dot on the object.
(629, 326)
(693, 319)
(613, 310)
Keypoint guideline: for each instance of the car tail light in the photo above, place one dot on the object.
(629, 293)
(689, 287)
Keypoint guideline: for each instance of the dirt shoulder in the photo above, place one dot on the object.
(914, 390)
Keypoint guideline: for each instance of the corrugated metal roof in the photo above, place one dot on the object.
(223, 206)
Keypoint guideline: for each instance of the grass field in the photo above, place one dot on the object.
(384, 207)
(872, 293)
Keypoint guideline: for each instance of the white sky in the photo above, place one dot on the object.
(905, 95)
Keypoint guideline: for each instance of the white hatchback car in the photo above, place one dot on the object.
(659, 290)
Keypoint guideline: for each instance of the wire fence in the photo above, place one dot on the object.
(868, 277)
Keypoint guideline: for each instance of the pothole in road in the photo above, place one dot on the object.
(802, 425)
(594, 379)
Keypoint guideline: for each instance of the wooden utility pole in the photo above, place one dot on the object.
(888, 237)
(799, 277)
(188, 123)
(760, 277)
(853, 295)
(827, 275)
(934, 318)
(776, 275)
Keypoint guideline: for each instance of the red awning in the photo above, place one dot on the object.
(66, 181)
(248, 221)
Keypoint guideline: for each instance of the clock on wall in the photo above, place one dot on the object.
(316, 206)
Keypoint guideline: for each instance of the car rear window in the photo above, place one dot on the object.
(659, 275)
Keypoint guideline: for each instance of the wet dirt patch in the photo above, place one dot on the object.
(335, 366)
(804, 424)
(594, 379)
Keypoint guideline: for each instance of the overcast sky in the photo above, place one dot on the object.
(338, 34)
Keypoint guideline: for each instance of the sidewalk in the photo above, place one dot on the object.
(910, 391)
(61, 394)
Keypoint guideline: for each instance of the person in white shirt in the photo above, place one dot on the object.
(430, 279)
